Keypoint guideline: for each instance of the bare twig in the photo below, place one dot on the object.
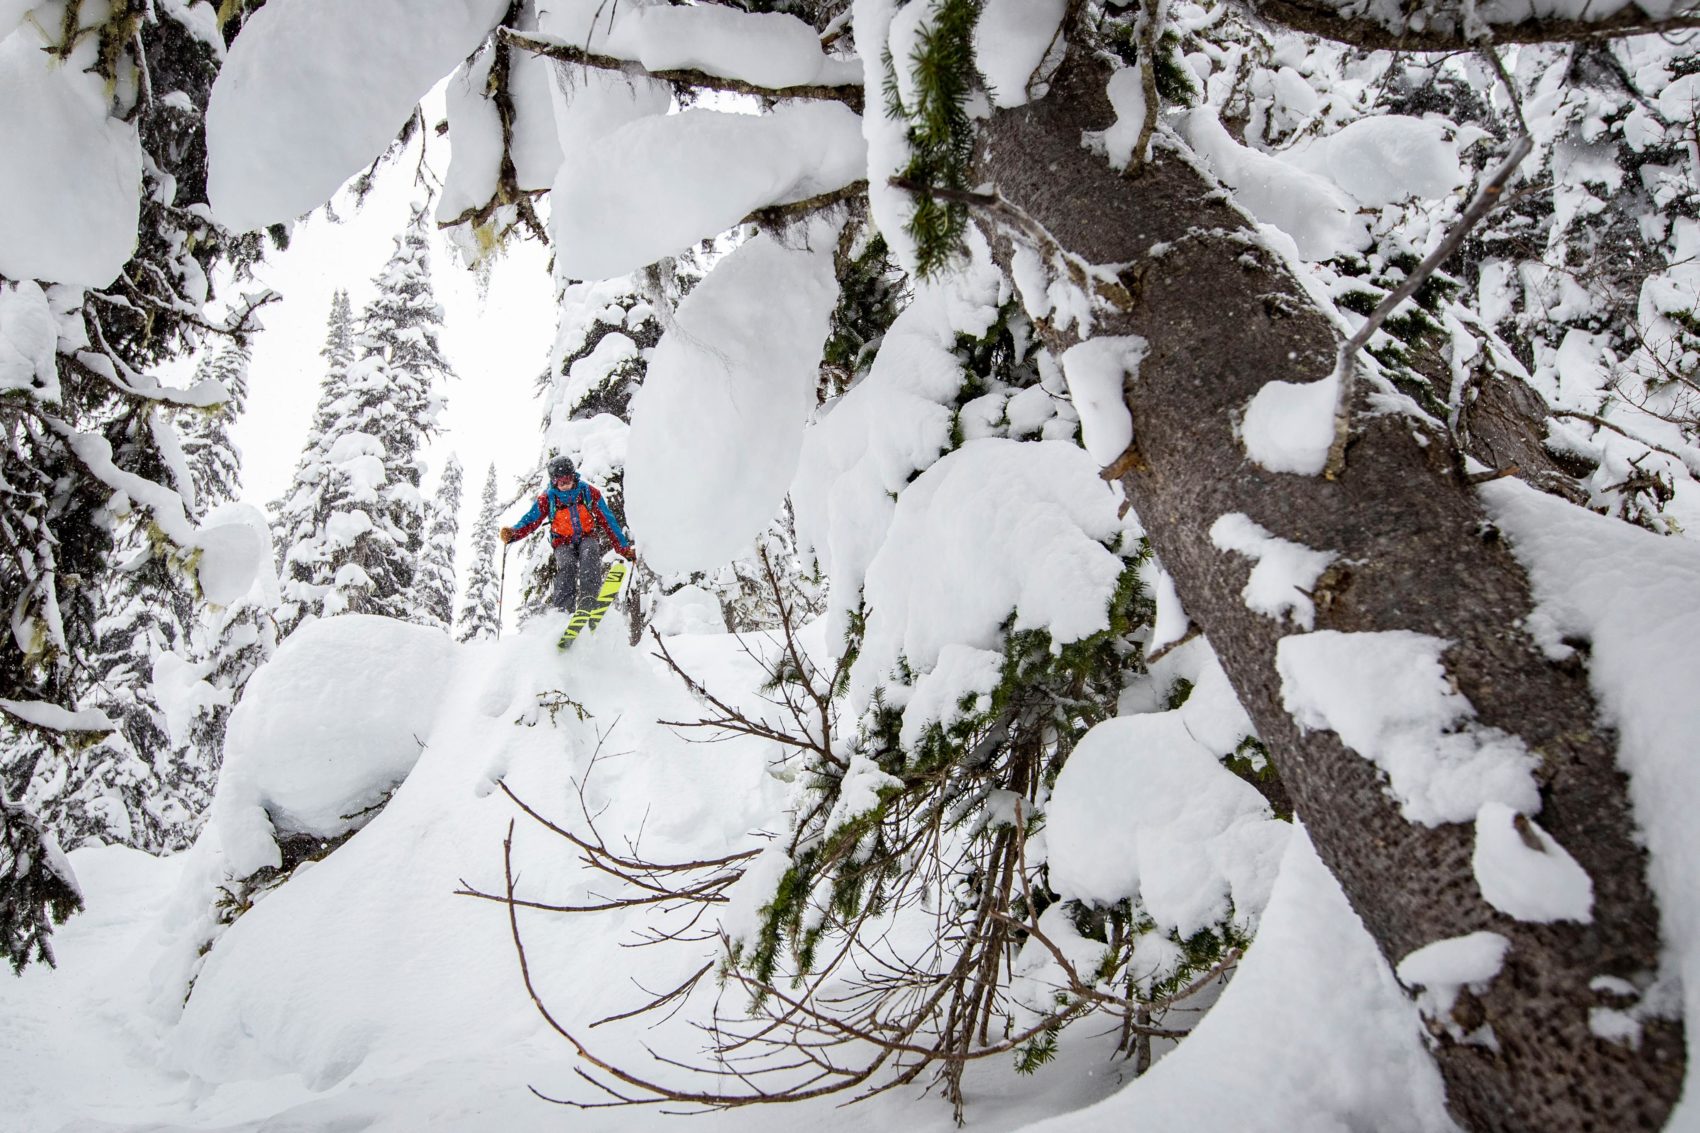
(1688, 461)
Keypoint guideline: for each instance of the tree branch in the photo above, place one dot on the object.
(1347, 367)
(774, 216)
(851, 96)
(1443, 28)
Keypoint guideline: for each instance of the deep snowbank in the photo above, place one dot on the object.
(364, 994)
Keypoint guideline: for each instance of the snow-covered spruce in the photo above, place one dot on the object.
(480, 611)
(434, 583)
(354, 522)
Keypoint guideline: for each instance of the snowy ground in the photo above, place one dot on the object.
(362, 994)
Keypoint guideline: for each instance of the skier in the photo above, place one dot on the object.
(574, 511)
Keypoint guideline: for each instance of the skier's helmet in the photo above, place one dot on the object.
(559, 467)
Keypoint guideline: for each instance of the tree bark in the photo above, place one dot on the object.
(1222, 316)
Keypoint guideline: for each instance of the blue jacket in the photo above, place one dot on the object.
(572, 513)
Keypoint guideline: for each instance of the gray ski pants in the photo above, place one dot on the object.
(578, 573)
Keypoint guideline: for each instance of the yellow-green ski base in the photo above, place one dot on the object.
(583, 621)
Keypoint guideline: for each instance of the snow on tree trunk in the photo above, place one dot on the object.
(1222, 315)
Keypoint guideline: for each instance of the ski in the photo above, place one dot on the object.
(583, 621)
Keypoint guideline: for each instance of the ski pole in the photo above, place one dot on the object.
(501, 591)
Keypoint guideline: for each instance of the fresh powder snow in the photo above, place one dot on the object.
(286, 128)
(72, 175)
(718, 423)
(1524, 873)
(657, 185)
(1097, 371)
(1387, 697)
(1285, 572)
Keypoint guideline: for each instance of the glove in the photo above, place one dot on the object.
(506, 535)
(628, 553)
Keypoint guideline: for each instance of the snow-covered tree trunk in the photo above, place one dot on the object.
(1416, 553)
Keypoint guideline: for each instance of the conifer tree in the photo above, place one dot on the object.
(353, 528)
(92, 372)
(231, 646)
(480, 611)
(215, 463)
(376, 530)
(225, 645)
(134, 786)
(299, 515)
(434, 590)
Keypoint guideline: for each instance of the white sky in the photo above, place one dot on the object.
(496, 336)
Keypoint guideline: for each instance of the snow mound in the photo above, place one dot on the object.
(597, 444)
(1141, 809)
(1437, 972)
(29, 339)
(995, 526)
(1348, 1053)
(45, 714)
(689, 609)
(182, 692)
(658, 185)
(325, 729)
(286, 126)
(476, 129)
(1285, 573)
(1126, 91)
(1388, 698)
(1011, 41)
(963, 674)
(71, 179)
(229, 558)
(885, 132)
(1097, 370)
(718, 422)
(768, 49)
